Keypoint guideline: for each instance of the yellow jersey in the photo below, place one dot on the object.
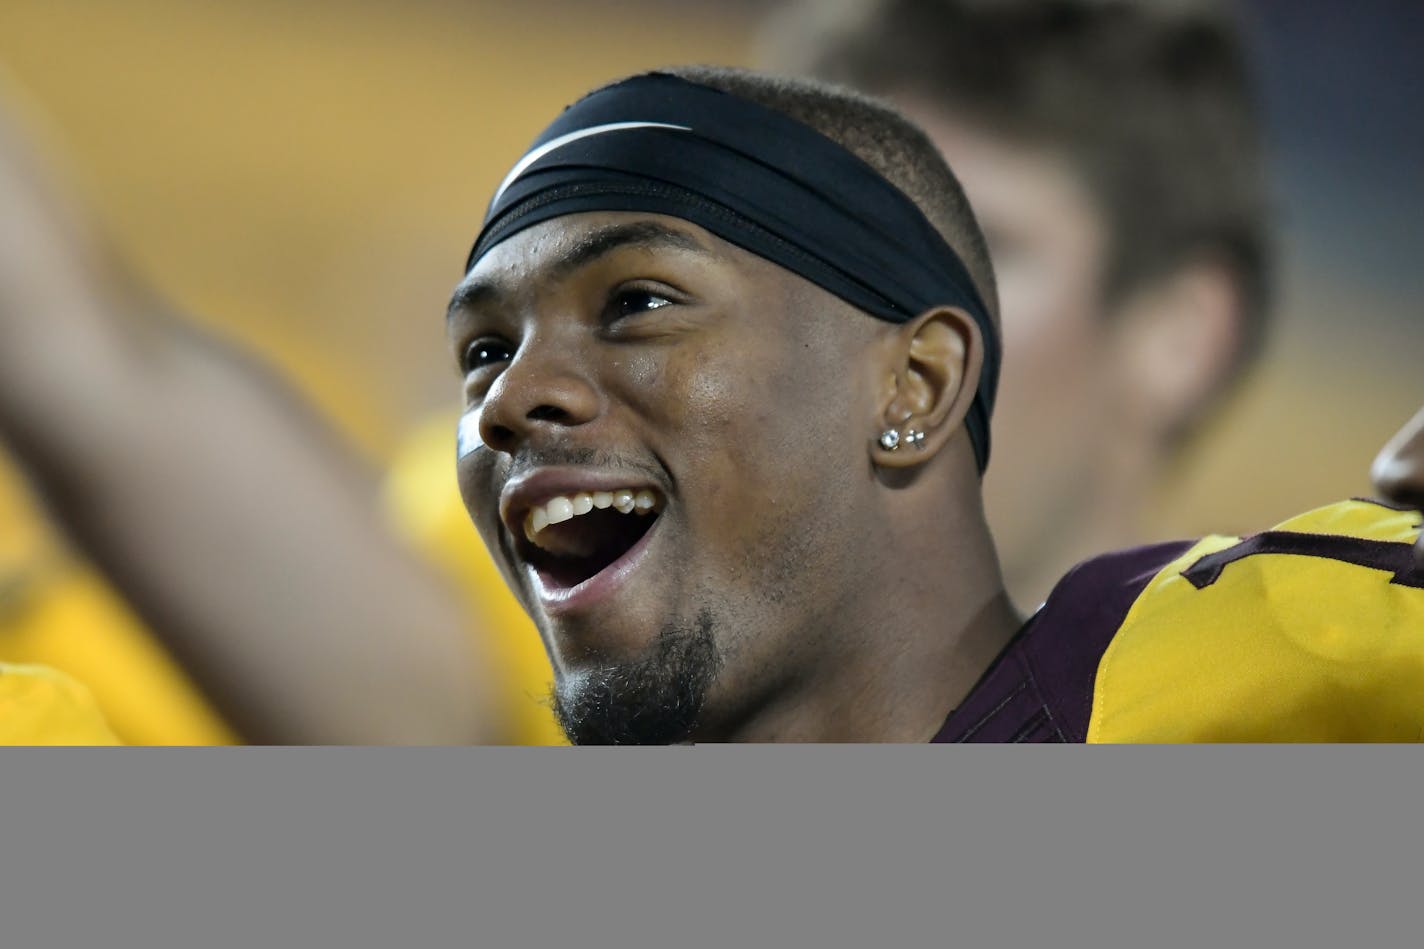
(40, 706)
(1312, 631)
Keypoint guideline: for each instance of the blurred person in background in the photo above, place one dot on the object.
(1111, 150)
(234, 521)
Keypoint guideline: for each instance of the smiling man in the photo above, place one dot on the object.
(728, 394)
(729, 349)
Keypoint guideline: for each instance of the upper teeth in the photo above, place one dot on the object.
(556, 510)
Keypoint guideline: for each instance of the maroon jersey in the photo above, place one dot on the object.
(1040, 688)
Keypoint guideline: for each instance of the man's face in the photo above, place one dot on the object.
(1398, 471)
(617, 359)
(1049, 245)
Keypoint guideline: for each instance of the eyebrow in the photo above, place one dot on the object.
(642, 235)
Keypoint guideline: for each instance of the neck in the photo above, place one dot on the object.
(901, 651)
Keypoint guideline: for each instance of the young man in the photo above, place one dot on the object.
(1111, 151)
(729, 348)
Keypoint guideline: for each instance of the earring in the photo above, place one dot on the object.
(916, 438)
(890, 439)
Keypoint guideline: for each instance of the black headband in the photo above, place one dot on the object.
(755, 178)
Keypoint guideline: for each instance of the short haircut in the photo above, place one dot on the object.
(1151, 102)
(879, 136)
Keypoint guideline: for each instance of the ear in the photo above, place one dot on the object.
(933, 370)
(1175, 341)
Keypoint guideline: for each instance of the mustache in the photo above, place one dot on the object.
(579, 456)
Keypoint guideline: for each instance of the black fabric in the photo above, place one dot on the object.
(758, 179)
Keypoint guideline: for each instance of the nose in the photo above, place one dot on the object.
(1398, 471)
(542, 390)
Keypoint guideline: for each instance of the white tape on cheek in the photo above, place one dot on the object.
(467, 434)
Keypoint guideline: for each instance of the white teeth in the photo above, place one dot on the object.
(537, 520)
(560, 510)
(566, 507)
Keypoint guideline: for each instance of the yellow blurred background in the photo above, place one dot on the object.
(306, 178)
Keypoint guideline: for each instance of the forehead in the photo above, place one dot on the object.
(549, 256)
(558, 248)
(999, 165)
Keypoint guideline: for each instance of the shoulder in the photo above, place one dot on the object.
(1310, 631)
(1041, 686)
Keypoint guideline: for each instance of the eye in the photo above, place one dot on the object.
(483, 352)
(633, 300)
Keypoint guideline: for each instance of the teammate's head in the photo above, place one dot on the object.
(1110, 149)
(1398, 471)
(623, 348)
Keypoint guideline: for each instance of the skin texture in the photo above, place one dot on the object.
(1092, 389)
(1398, 471)
(749, 400)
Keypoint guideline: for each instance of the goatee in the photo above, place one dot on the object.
(652, 699)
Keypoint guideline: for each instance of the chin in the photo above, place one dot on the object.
(652, 695)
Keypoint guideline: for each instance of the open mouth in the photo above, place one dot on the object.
(572, 538)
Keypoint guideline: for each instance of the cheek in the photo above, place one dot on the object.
(708, 394)
(721, 422)
(1050, 289)
(477, 477)
(1053, 341)
(1051, 306)
(734, 426)
(758, 461)
(1053, 405)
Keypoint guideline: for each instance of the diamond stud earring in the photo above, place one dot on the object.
(890, 439)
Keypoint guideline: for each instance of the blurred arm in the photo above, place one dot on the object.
(239, 528)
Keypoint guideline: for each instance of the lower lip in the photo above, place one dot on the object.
(558, 601)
